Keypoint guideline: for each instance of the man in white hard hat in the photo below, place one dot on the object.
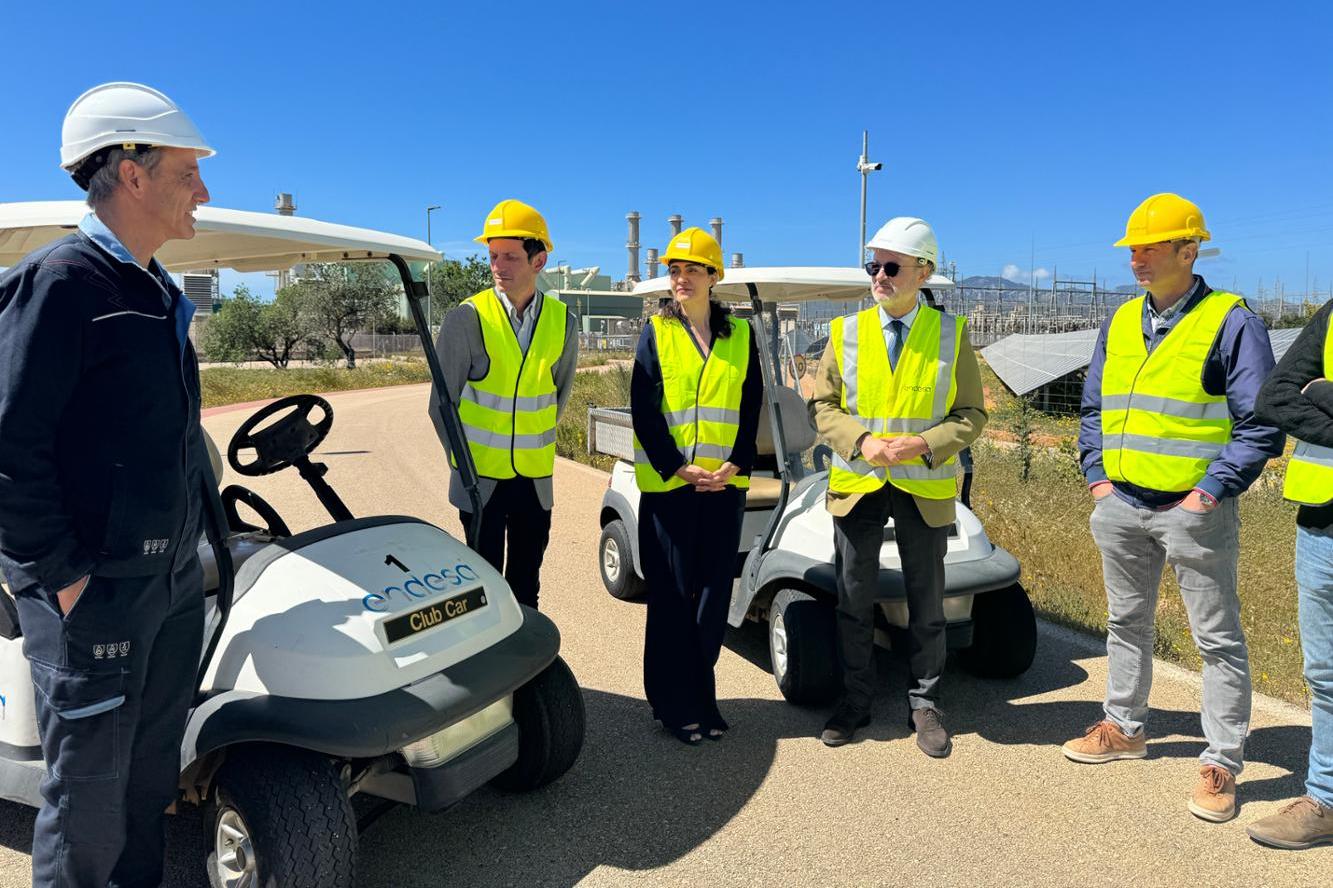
(509, 355)
(897, 398)
(103, 479)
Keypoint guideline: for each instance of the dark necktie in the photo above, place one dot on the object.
(896, 342)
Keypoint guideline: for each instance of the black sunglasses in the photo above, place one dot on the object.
(890, 268)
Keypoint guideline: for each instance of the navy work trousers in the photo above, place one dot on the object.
(513, 511)
(688, 543)
(857, 537)
(114, 680)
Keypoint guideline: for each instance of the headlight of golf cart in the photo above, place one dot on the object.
(438, 748)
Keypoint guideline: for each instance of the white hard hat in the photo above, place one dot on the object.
(907, 235)
(120, 115)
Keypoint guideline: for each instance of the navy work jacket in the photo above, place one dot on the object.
(102, 461)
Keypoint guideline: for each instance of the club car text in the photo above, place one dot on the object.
(416, 588)
(433, 615)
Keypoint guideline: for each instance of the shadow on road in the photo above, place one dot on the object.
(638, 799)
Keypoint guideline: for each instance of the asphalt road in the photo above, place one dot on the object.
(770, 805)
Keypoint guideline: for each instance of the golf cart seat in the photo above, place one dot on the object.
(799, 436)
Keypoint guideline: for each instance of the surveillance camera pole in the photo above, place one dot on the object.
(865, 168)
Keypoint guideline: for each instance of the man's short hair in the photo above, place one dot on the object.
(106, 180)
(532, 246)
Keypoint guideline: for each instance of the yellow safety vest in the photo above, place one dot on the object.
(1309, 478)
(897, 402)
(509, 415)
(1160, 428)
(701, 400)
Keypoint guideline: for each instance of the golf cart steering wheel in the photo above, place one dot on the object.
(283, 442)
(234, 494)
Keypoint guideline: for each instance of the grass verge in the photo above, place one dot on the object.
(1044, 523)
(609, 389)
(235, 385)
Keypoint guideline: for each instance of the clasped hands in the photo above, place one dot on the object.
(705, 481)
(888, 452)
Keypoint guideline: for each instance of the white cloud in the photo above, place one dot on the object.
(1014, 273)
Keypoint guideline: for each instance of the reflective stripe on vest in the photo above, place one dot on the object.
(1309, 478)
(509, 415)
(895, 402)
(701, 400)
(1160, 428)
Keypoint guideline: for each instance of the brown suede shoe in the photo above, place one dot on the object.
(1302, 824)
(1105, 742)
(1214, 795)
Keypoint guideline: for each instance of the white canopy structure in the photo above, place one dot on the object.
(787, 284)
(239, 239)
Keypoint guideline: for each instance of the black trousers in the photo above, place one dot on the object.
(114, 680)
(687, 546)
(514, 511)
(856, 542)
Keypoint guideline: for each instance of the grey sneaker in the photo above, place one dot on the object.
(1302, 824)
(931, 737)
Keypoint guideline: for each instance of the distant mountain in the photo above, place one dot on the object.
(1127, 288)
(993, 282)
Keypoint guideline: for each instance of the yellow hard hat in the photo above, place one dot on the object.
(1163, 217)
(514, 218)
(697, 246)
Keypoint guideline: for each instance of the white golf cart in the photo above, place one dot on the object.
(785, 568)
(373, 656)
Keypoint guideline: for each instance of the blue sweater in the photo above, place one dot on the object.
(1237, 366)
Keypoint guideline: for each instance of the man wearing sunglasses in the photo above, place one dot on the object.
(898, 396)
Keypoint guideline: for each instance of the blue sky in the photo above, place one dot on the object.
(1015, 129)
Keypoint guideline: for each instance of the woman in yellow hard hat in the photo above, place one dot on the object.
(695, 396)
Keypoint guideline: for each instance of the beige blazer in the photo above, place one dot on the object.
(953, 433)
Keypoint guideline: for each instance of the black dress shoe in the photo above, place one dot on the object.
(931, 737)
(841, 728)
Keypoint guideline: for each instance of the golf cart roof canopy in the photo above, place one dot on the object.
(239, 239)
(788, 284)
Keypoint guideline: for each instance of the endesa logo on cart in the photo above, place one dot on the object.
(415, 588)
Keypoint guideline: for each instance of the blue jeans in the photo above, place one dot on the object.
(1314, 580)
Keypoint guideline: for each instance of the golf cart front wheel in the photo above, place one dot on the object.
(615, 556)
(550, 717)
(280, 818)
(1004, 634)
(803, 644)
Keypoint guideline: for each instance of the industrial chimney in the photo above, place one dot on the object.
(674, 220)
(650, 271)
(633, 246)
(284, 204)
(716, 224)
(737, 260)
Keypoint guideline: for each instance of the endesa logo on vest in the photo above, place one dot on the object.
(416, 588)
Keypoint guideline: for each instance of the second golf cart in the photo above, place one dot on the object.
(785, 567)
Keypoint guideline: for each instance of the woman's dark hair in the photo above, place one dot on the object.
(717, 312)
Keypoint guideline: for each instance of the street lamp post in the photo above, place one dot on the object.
(429, 210)
(865, 168)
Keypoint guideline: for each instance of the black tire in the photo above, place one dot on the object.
(1004, 634)
(615, 559)
(803, 646)
(295, 813)
(550, 717)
